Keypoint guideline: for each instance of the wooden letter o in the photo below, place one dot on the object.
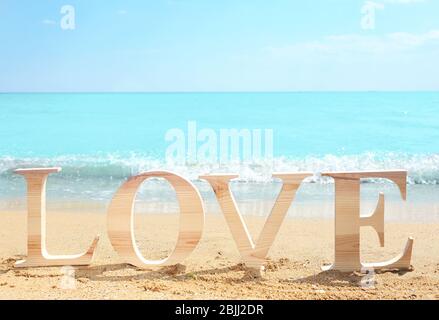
(121, 220)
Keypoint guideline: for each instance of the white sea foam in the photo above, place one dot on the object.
(90, 182)
(422, 168)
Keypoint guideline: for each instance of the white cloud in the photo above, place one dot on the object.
(357, 43)
(48, 22)
(122, 12)
(403, 1)
(414, 40)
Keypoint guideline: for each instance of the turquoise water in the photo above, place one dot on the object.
(304, 124)
(100, 139)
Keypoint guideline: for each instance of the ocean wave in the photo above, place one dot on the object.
(422, 169)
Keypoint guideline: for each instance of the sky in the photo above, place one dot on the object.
(224, 45)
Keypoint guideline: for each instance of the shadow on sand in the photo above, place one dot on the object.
(97, 273)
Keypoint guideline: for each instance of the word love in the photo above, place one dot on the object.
(121, 220)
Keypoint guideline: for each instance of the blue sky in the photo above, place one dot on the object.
(227, 45)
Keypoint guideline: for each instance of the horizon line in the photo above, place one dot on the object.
(219, 92)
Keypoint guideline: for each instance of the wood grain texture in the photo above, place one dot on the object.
(37, 254)
(348, 220)
(121, 220)
(254, 254)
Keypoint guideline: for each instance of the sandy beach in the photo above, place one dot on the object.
(214, 271)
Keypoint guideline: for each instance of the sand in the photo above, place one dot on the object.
(213, 271)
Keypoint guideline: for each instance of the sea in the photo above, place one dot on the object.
(101, 139)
